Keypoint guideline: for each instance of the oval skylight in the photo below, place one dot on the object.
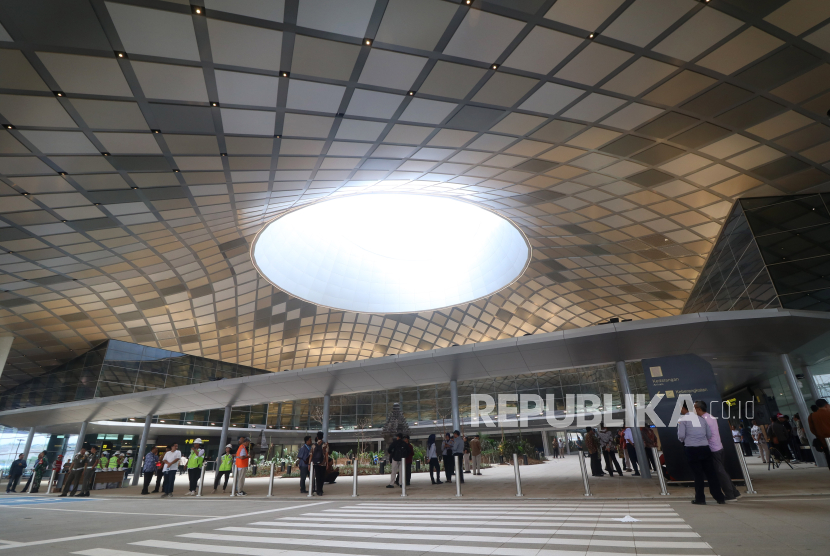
(390, 252)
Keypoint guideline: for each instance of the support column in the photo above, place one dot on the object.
(630, 417)
(226, 422)
(81, 434)
(811, 384)
(567, 443)
(139, 462)
(546, 443)
(5, 348)
(456, 419)
(28, 446)
(802, 406)
(326, 404)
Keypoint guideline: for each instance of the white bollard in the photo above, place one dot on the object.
(457, 476)
(354, 479)
(233, 481)
(402, 477)
(582, 468)
(51, 480)
(271, 482)
(516, 472)
(310, 479)
(201, 479)
(664, 491)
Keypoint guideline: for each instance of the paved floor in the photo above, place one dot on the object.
(185, 526)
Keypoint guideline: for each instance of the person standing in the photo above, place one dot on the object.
(554, 447)
(609, 451)
(89, 470)
(730, 492)
(242, 459)
(458, 450)
(39, 468)
(319, 462)
(649, 442)
(397, 454)
(475, 454)
(224, 466)
(75, 474)
(593, 447)
(446, 454)
(15, 472)
(103, 463)
(194, 466)
(467, 456)
(410, 453)
(759, 435)
(432, 457)
(695, 433)
(170, 466)
(746, 438)
(149, 468)
(779, 436)
(819, 424)
(632, 451)
(304, 457)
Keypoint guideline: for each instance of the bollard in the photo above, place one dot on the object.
(271, 482)
(310, 480)
(457, 476)
(664, 491)
(233, 480)
(51, 480)
(402, 478)
(518, 477)
(201, 479)
(354, 480)
(581, 455)
(747, 478)
(28, 489)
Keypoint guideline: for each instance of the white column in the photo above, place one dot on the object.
(139, 461)
(546, 443)
(226, 422)
(28, 446)
(801, 404)
(631, 414)
(5, 348)
(326, 404)
(456, 418)
(81, 434)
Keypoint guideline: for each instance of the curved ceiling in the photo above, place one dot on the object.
(615, 133)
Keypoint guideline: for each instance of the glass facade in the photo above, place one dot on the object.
(115, 367)
(772, 252)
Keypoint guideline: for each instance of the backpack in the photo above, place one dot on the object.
(317, 457)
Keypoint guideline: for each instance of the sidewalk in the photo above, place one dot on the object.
(560, 478)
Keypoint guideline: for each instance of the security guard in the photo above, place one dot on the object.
(224, 466)
(194, 466)
(89, 470)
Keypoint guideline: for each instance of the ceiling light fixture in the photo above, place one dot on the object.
(223, 154)
(58, 93)
(121, 54)
(367, 42)
(277, 136)
(175, 170)
(494, 66)
(198, 10)
(592, 35)
(214, 104)
(412, 93)
(9, 126)
(468, 2)
(156, 130)
(105, 154)
(284, 74)
(63, 173)
(135, 188)
(330, 252)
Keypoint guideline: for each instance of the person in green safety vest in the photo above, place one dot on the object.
(224, 466)
(103, 463)
(194, 466)
(129, 464)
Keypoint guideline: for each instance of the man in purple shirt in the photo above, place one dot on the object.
(730, 492)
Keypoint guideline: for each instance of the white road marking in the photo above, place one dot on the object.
(481, 537)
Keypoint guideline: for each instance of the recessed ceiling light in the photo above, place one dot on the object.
(97, 204)
(25, 194)
(135, 188)
(175, 170)
(9, 126)
(494, 66)
(214, 104)
(284, 74)
(223, 154)
(156, 130)
(412, 93)
(278, 136)
(58, 93)
(367, 42)
(121, 54)
(63, 220)
(198, 10)
(468, 2)
(63, 173)
(591, 36)
(105, 154)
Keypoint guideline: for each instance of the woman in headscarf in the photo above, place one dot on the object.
(432, 456)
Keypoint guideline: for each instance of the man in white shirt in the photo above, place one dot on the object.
(170, 465)
(759, 435)
(694, 433)
(716, 447)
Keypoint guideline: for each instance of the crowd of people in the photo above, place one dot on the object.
(602, 442)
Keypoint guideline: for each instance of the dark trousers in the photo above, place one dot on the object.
(460, 471)
(169, 481)
(448, 467)
(13, 480)
(632, 458)
(596, 465)
(700, 460)
(159, 479)
(726, 484)
(89, 478)
(194, 474)
(650, 458)
(73, 479)
(218, 479)
(319, 478)
(748, 447)
(303, 477)
(433, 464)
(795, 447)
(611, 460)
(408, 467)
(148, 478)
